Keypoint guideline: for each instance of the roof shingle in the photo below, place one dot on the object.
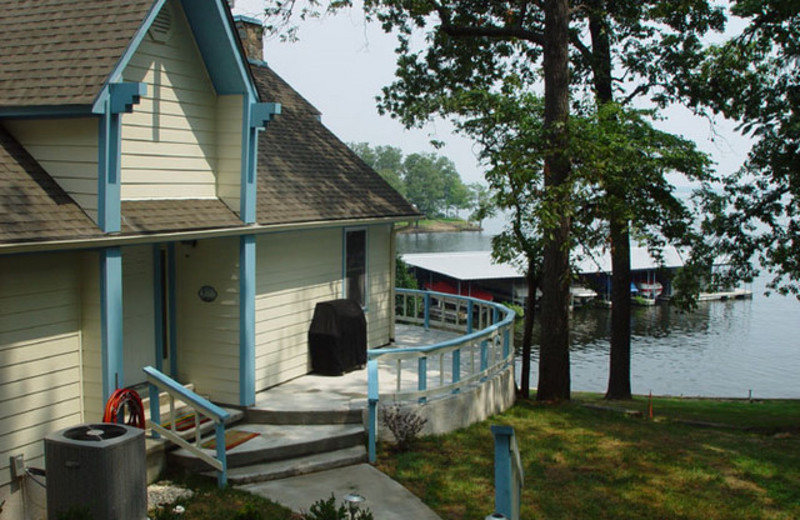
(33, 207)
(305, 173)
(60, 52)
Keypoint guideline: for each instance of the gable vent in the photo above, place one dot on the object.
(161, 29)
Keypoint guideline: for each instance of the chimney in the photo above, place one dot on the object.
(251, 32)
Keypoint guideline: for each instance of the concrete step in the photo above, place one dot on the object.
(278, 442)
(306, 417)
(298, 466)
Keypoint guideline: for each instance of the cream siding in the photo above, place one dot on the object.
(138, 326)
(229, 149)
(380, 284)
(90, 331)
(67, 150)
(169, 142)
(294, 271)
(40, 338)
(208, 333)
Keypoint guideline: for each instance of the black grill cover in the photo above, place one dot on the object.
(337, 339)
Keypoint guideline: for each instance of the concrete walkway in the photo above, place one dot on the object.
(387, 499)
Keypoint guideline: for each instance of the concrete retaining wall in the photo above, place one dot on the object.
(460, 410)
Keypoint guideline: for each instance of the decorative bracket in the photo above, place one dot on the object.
(124, 95)
(263, 113)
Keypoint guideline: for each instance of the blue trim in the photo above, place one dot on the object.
(422, 376)
(214, 33)
(124, 95)
(47, 111)
(111, 320)
(248, 19)
(247, 188)
(172, 312)
(247, 320)
(121, 98)
(158, 307)
(373, 396)
(257, 63)
(262, 113)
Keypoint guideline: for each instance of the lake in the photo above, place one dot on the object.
(723, 349)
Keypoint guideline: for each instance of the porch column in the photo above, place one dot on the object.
(111, 320)
(247, 320)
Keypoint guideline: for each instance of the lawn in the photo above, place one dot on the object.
(589, 463)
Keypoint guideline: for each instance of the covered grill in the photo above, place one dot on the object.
(337, 339)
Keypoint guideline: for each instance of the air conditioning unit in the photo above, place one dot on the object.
(98, 470)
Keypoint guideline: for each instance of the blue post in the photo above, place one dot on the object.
(469, 316)
(456, 368)
(427, 311)
(422, 377)
(484, 357)
(507, 488)
(155, 408)
(222, 476)
(506, 343)
(111, 320)
(495, 315)
(372, 399)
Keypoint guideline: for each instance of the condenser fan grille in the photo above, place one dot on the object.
(94, 432)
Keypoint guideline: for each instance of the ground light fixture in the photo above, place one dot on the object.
(496, 516)
(354, 500)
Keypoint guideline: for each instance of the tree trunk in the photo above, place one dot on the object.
(554, 373)
(619, 375)
(527, 332)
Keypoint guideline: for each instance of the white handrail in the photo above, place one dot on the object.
(485, 348)
(202, 407)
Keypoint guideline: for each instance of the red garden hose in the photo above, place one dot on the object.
(125, 406)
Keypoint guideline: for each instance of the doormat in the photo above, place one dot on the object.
(185, 422)
(233, 438)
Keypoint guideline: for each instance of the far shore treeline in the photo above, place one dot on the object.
(429, 181)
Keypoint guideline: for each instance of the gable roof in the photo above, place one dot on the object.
(305, 173)
(32, 206)
(60, 52)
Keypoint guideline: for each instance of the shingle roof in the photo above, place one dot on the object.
(32, 206)
(305, 173)
(60, 52)
(154, 216)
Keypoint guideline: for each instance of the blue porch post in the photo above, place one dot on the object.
(118, 98)
(247, 320)
(111, 320)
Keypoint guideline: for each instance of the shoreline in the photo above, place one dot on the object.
(438, 226)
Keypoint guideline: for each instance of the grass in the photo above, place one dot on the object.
(588, 463)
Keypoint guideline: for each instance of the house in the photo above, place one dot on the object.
(165, 200)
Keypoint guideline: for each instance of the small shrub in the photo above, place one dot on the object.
(327, 510)
(405, 426)
(249, 511)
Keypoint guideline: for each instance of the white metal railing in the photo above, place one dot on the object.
(423, 373)
(201, 407)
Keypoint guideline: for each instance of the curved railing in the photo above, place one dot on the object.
(431, 371)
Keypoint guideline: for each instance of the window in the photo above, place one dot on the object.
(356, 266)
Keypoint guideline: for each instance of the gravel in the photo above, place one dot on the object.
(165, 492)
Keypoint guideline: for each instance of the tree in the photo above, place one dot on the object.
(652, 42)
(755, 78)
(386, 160)
(482, 203)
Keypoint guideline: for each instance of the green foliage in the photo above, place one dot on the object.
(755, 78)
(75, 513)
(403, 277)
(427, 180)
(327, 510)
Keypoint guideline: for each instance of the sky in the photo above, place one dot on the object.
(340, 64)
